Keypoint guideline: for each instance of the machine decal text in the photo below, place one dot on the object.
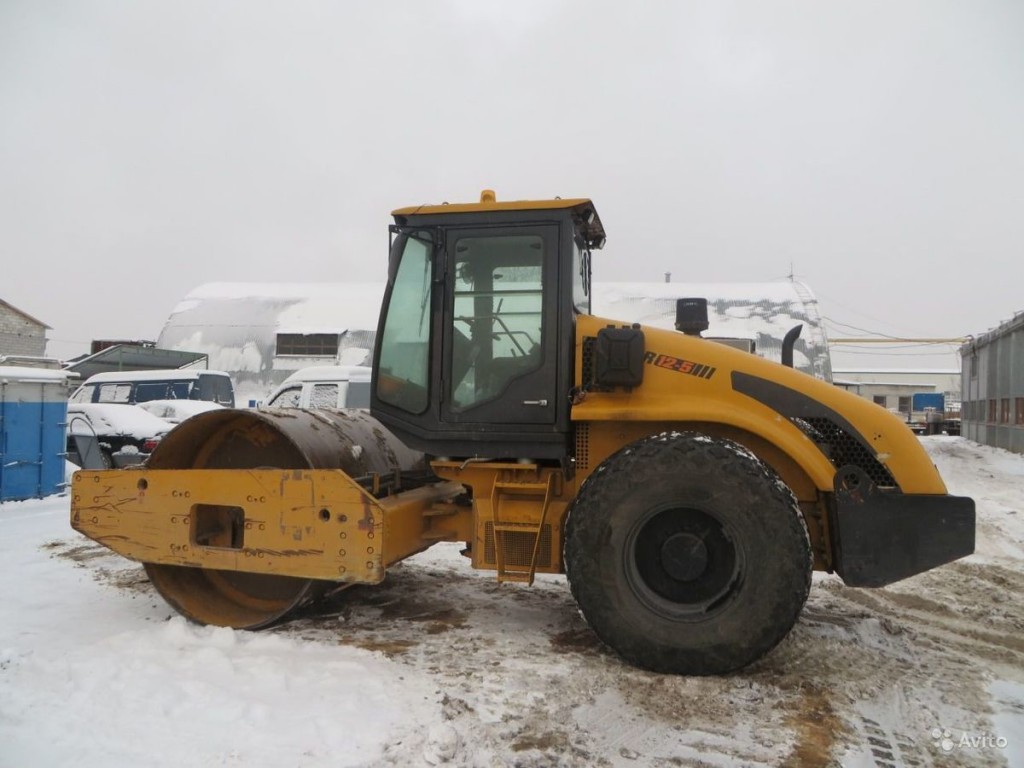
(680, 365)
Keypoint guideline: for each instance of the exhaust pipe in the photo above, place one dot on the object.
(787, 344)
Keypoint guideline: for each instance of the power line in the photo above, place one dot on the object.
(862, 330)
(851, 309)
(906, 343)
(883, 353)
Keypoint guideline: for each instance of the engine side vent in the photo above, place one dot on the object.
(582, 446)
(843, 448)
(588, 361)
(835, 437)
(519, 546)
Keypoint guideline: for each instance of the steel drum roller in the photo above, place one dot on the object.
(349, 440)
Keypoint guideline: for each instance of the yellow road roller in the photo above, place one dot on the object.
(687, 489)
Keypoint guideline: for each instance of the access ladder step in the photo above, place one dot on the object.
(516, 577)
(438, 536)
(441, 511)
(502, 526)
(531, 528)
(529, 489)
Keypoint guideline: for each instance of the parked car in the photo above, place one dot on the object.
(122, 434)
(134, 387)
(176, 411)
(324, 386)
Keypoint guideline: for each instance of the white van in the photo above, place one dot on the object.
(134, 387)
(324, 386)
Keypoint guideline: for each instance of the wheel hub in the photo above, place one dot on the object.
(684, 556)
(682, 562)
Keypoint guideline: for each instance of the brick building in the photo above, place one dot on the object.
(20, 333)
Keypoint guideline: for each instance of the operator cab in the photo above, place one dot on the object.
(474, 354)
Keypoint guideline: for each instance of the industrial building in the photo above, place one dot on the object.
(21, 334)
(260, 333)
(895, 388)
(754, 317)
(993, 386)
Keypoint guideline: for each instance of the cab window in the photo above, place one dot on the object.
(497, 320)
(404, 363)
(580, 278)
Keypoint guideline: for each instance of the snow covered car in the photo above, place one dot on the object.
(324, 386)
(125, 434)
(176, 411)
(135, 387)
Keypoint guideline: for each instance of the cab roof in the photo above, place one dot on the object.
(582, 207)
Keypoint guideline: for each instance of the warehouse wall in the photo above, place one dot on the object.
(993, 387)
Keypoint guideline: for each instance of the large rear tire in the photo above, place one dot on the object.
(686, 554)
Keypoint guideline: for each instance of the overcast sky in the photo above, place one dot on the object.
(876, 149)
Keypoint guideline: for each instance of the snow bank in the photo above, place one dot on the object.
(174, 694)
(92, 677)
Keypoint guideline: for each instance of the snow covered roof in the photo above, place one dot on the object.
(26, 373)
(331, 373)
(174, 374)
(291, 307)
(764, 312)
(236, 326)
(1005, 328)
(134, 357)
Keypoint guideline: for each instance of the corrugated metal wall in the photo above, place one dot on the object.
(993, 387)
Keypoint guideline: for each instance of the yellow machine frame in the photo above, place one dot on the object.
(243, 516)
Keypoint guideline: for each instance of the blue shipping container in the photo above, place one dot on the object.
(922, 400)
(33, 412)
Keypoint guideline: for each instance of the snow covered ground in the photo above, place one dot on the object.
(441, 665)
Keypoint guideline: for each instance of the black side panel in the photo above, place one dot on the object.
(880, 537)
(620, 357)
(837, 438)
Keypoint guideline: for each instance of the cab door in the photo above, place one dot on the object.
(500, 330)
